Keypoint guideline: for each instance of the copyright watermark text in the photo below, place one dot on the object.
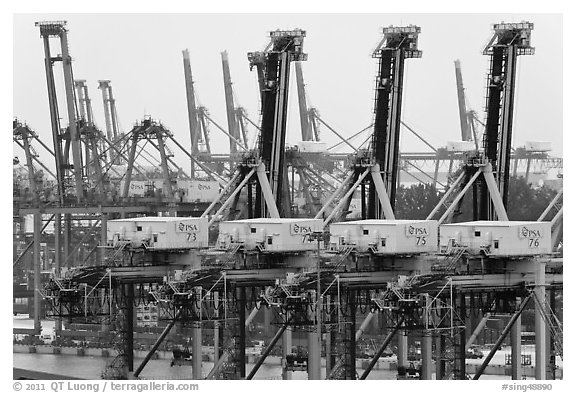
(97, 387)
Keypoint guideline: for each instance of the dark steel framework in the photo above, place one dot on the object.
(509, 41)
(398, 44)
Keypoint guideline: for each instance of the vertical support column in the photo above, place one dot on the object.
(461, 348)
(286, 349)
(216, 327)
(351, 350)
(516, 344)
(539, 325)
(197, 337)
(57, 260)
(37, 275)
(551, 375)
(328, 350)
(402, 349)
(314, 350)
(242, 327)
(426, 355)
(129, 343)
(67, 240)
(267, 318)
(440, 362)
(57, 243)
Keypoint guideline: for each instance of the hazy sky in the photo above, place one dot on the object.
(142, 56)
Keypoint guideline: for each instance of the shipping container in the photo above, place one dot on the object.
(270, 234)
(160, 233)
(385, 237)
(497, 238)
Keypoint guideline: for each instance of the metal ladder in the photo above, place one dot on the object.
(454, 256)
(118, 249)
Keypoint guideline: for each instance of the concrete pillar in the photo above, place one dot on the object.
(37, 275)
(516, 344)
(539, 325)
(426, 355)
(402, 348)
(286, 349)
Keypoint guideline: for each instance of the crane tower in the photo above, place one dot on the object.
(398, 44)
(509, 41)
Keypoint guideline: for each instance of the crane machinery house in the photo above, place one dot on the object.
(159, 233)
(385, 237)
(270, 234)
(497, 238)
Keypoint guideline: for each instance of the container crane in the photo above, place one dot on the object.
(381, 161)
(491, 191)
(197, 124)
(234, 121)
(67, 139)
(111, 118)
(92, 138)
(23, 136)
(264, 169)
